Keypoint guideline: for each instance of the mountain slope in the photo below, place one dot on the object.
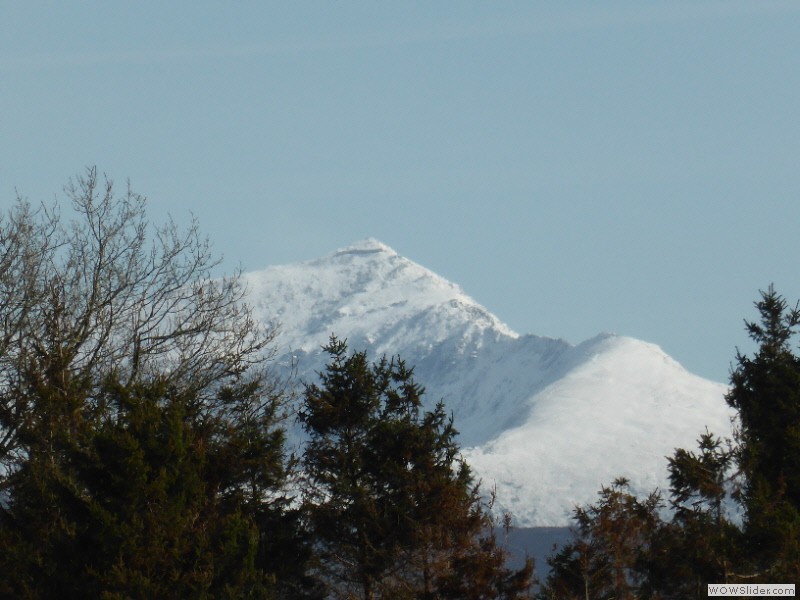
(544, 421)
(619, 412)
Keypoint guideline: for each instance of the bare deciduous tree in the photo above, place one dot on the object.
(102, 294)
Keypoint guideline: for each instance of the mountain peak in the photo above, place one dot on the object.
(367, 292)
(368, 245)
(544, 422)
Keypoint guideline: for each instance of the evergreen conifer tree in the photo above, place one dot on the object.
(765, 391)
(394, 510)
(701, 544)
(144, 500)
(606, 560)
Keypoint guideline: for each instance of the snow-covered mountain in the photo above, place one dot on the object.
(545, 422)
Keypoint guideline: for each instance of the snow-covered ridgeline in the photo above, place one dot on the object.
(544, 421)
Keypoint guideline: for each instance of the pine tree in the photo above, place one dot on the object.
(130, 507)
(606, 560)
(394, 510)
(765, 391)
(701, 544)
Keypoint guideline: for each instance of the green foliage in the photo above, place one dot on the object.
(700, 545)
(140, 449)
(765, 391)
(698, 482)
(128, 508)
(393, 509)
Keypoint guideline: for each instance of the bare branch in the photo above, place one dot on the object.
(105, 294)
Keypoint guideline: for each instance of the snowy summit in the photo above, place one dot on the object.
(365, 292)
(544, 422)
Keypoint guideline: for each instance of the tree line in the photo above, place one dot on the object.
(143, 453)
(142, 445)
(732, 514)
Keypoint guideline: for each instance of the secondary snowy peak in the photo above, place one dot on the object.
(365, 292)
(622, 408)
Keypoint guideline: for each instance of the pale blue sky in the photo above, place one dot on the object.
(576, 167)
